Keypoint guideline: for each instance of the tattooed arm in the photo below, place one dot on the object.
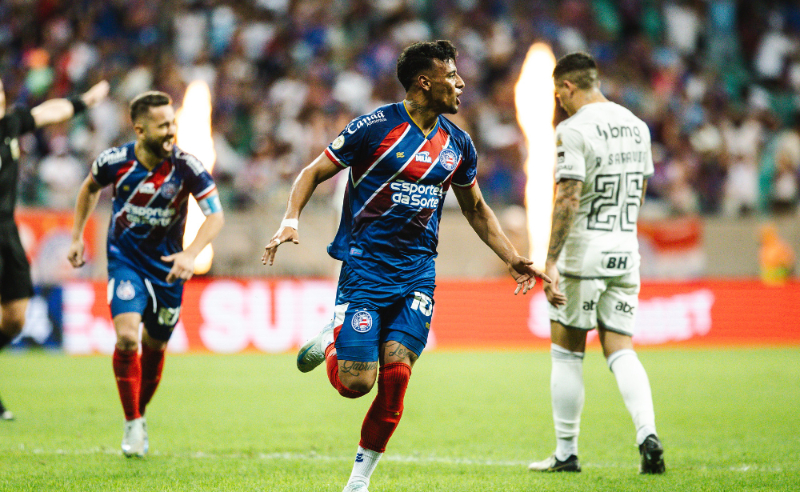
(568, 199)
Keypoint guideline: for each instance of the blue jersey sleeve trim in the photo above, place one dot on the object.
(468, 185)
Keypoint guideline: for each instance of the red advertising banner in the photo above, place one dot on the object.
(46, 236)
(273, 316)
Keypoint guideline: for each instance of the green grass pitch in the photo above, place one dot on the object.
(729, 419)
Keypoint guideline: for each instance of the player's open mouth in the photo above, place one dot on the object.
(168, 144)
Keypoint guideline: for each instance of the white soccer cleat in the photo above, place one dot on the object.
(312, 353)
(355, 487)
(146, 439)
(133, 438)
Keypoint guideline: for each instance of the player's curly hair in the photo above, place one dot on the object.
(419, 57)
(142, 103)
(579, 68)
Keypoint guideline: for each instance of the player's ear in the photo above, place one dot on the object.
(138, 128)
(424, 82)
(570, 86)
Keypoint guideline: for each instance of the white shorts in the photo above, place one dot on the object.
(611, 301)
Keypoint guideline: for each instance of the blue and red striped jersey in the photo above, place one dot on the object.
(150, 206)
(389, 228)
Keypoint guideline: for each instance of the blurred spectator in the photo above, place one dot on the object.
(742, 137)
(287, 75)
(62, 173)
(776, 257)
(783, 181)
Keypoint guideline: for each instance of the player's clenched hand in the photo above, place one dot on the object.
(182, 266)
(551, 290)
(525, 274)
(96, 93)
(283, 235)
(75, 253)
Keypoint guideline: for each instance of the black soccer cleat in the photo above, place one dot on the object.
(5, 414)
(553, 464)
(652, 456)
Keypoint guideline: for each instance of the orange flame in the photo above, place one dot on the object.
(194, 137)
(535, 102)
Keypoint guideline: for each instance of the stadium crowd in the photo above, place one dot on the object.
(717, 81)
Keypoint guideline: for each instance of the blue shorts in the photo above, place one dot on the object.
(371, 314)
(131, 292)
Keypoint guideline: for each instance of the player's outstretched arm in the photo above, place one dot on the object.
(58, 110)
(183, 261)
(88, 195)
(321, 169)
(567, 201)
(483, 220)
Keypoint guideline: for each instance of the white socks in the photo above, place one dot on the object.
(364, 465)
(635, 389)
(567, 395)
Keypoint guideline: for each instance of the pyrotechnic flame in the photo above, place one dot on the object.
(535, 102)
(194, 137)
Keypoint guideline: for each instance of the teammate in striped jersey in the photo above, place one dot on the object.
(402, 159)
(147, 265)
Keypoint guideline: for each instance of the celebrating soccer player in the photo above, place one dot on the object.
(604, 161)
(15, 271)
(147, 264)
(402, 159)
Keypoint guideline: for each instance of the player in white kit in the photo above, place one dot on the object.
(603, 162)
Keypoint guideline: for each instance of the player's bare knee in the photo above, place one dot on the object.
(362, 384)
(12, 326)
(13, 317)
(358, 375)
(127, 340)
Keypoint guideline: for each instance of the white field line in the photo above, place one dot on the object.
(312, 456)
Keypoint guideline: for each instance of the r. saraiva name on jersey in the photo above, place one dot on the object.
(602, 241)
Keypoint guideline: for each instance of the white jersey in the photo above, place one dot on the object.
(608, 148)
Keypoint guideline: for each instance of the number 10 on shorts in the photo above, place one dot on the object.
(422, 303)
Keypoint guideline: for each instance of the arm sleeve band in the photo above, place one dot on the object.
(210, 205)
(78, 106)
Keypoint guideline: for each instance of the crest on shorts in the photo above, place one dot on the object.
(169, 189)
(448, 159)
(362, 321)
(125, 290)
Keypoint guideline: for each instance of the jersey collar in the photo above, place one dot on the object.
(407, 117)
(157, 166)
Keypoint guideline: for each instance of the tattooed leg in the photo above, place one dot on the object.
(358, 376)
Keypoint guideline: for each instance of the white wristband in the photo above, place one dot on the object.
(293, 223)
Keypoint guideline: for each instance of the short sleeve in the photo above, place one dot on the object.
(101, 171)
(570, 155)
(467, 170)
(199, 182)
(649, 168)
(23, 120)
(346, 149)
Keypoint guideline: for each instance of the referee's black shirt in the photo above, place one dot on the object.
(16, 122)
